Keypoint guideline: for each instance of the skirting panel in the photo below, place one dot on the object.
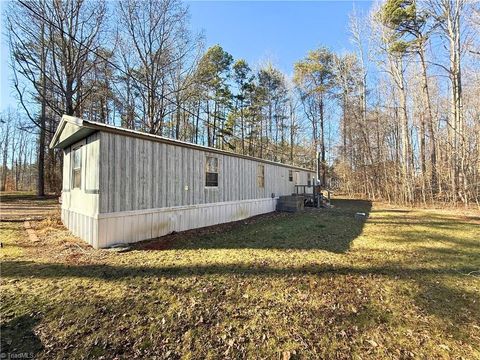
(83, 226)
(133, 226)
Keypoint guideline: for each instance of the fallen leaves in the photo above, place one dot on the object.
(239, 296)
(372, 343)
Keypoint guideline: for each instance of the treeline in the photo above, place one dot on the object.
(136, 64)
(408, 95)
(18, 170)
(411, 133)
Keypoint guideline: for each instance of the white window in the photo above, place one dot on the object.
(211, 171)
(77, 168)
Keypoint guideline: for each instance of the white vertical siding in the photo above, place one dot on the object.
(133, 226)
(83, 200)
(135, 189)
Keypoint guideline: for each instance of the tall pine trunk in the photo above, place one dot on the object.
(42, 134)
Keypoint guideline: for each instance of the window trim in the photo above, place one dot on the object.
(79, 168)
(261, 175)
(211, 172)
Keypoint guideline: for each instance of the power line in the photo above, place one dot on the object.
(208, 124)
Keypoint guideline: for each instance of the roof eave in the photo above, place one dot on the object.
(81, 133)
(86, 128)
(134, 133)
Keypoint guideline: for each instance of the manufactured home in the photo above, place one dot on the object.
(123, 186)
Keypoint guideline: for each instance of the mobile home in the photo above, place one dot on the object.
(124, 186)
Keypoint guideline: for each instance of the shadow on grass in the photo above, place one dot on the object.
(452, 240)
(18, 340)
(19, 197)
(392, 211)
(11, 225)
(28, 269)
(441, 299)
(331, 230)
(456, 243)
(434, 297)
(459, 307)
(414, 222)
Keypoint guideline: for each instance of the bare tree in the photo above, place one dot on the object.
(53, 47)
(156, 33)
(5, 139)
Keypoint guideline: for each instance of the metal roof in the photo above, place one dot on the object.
(81, 128)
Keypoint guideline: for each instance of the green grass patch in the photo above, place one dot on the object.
(9, 233)
(318, 284)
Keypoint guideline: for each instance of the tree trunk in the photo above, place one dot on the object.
(42, 134)
(430, 124)
(323, 167)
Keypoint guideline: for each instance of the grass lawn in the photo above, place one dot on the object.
(319, 284)
(17, 205)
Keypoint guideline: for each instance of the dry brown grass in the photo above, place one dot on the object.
(318, 284)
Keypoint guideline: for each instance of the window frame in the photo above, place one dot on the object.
(261, 176)
(290, 175)
(207, 172)
(76, 150)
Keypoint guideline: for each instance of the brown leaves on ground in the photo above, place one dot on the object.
(316, 284)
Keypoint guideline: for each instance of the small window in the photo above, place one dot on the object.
(77, 168)
(309, 179)
(211, 171)
(290, 175)
(261, 176)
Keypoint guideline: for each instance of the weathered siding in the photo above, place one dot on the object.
(81, 225)
(133, 226)
(80, 205)
(83, 200)
(139, 174)
(136, 187)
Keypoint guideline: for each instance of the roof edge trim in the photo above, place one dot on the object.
(135, 133)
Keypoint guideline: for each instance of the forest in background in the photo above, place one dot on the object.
(397, 119)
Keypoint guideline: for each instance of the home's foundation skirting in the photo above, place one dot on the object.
(133, 226)
(81, 225)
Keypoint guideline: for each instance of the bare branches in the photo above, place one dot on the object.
(157, 33)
